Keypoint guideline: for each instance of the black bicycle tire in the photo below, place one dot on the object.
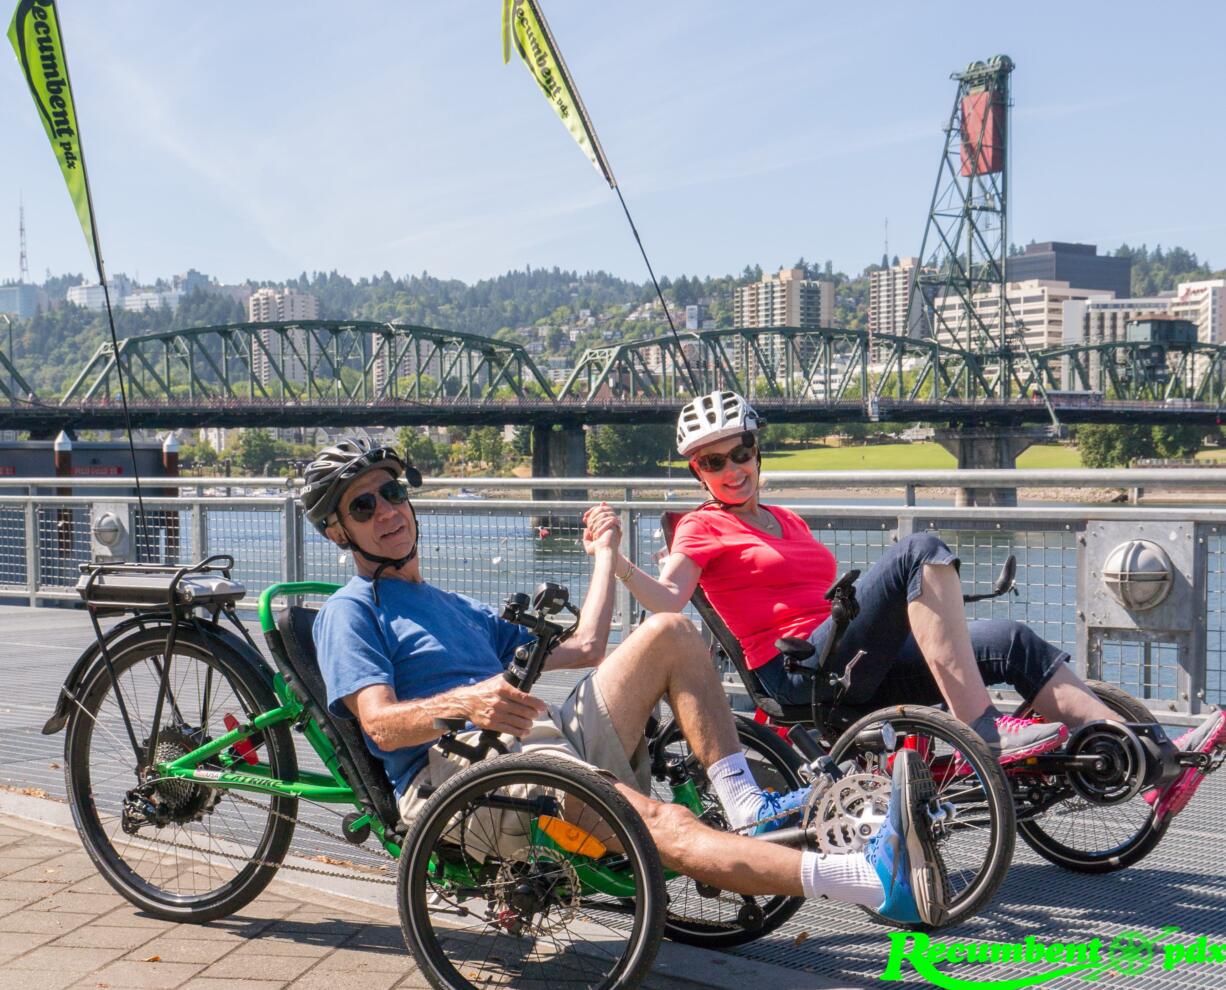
(1000, 801)
(248, 882)
(419, 844)
(1143, 841)
(778, 909)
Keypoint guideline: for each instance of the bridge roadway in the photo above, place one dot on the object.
(45, 420)
(1182, 883)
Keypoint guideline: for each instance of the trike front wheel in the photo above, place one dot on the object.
(530, 870)
(180, 850)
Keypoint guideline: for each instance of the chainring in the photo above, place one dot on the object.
(850, 811)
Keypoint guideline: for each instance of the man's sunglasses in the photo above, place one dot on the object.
(738, 455)
(362, 508)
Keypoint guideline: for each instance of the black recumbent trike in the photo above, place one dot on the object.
(1080, 807)
(184, 783)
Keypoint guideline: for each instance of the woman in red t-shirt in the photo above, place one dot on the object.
(767, 576)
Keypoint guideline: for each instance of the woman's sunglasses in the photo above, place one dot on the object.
(363, 506)
(738, 455)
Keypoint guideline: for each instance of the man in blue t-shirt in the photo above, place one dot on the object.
(398, 653)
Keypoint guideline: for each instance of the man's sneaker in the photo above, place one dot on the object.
(1203, 738)
(776, 808)
(1012, 739)
(902, 851)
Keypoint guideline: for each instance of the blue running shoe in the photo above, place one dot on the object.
(903, 852)
(779, 804)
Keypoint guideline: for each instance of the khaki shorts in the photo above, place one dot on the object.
(579, 729)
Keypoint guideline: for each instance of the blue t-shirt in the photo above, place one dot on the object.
(421, 641)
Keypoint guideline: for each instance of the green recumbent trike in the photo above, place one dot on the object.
(184, 783)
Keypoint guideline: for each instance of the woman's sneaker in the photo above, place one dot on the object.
(1203, 738)
(903, 852)
(1012, 739)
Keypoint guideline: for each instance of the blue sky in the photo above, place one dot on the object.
(263, 139)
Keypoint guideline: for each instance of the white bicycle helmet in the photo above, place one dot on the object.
(714, 417)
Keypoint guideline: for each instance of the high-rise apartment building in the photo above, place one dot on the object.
(787, 299)
(19, 299)
(1077, 264)
(1204, 303)
(892, 307)
(269, 305)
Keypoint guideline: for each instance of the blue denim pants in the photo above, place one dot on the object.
(893, 670)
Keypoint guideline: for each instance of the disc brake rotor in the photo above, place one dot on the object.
(849, 811)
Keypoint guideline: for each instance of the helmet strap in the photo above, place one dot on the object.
(383, 562)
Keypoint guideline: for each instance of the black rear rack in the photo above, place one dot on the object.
(111, 588)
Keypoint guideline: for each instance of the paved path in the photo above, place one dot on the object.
(62, 926)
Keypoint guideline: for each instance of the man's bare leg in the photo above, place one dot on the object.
(666, 657)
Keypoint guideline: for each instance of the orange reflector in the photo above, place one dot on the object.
(572, 839)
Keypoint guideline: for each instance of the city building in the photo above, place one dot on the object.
(269, 305)
(192, 281)
(93, 296)
(19, 299)
(1077, 264)
(786, 299)
(142, 299)
(1103, 321)
(1204, 303)
(1035, 305)
(892, 308)
(695, 316)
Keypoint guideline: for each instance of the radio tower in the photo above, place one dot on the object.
(23, 268)
(962, 269)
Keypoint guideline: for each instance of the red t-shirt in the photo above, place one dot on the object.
(762, 586)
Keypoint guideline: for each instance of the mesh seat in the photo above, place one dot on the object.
(731, 647)
(293, 649)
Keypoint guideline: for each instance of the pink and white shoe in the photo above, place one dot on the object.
(1012, 739)
(1203, 738)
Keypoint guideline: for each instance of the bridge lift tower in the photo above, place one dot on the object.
(960, 280)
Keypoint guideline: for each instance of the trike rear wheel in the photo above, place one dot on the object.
(530, 870)
(1092, 838)
(204, 852)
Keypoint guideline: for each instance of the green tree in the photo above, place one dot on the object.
(1178, 441)
(614, 451)
(257, 448)
(422, 452)
(1104, 445)
(485, 446)
(198, 455)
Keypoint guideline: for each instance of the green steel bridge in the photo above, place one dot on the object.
(341, 373)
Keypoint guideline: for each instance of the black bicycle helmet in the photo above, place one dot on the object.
(334, 467)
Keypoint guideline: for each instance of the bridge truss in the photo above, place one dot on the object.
(334, 362)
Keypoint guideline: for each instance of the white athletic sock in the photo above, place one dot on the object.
(841, 877)
(736, 789)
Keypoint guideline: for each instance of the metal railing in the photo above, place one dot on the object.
(488, 547)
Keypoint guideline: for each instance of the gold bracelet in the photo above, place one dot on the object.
(623, 578)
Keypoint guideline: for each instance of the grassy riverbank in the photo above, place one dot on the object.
(902, 457)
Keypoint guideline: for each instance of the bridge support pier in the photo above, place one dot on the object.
(988, 449)
(559, 453)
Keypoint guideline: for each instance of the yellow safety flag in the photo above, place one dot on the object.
(525, 25)
(35, 35)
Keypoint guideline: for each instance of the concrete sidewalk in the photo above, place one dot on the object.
(61, 925)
